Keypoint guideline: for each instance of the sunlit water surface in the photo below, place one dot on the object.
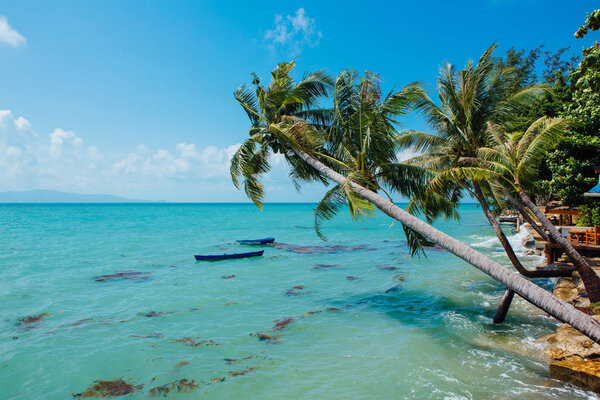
(429, 337)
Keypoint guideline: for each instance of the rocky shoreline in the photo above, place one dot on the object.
(573, 357)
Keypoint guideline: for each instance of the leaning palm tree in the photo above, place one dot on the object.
(362, 141)
(302, 142)
(266, 107)
(470, 99)
(515, 158)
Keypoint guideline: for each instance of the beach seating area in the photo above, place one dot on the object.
(587, 236)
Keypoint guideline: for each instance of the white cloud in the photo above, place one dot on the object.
(22, 124)
(62, 160)
(294, 32)
(60, 139)
(6, 117)
(8, 35)
(280, 33)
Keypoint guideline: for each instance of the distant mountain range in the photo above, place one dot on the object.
(52, 196)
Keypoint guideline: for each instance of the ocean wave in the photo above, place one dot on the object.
(518, 240)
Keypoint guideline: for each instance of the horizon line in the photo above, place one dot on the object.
(183, 202)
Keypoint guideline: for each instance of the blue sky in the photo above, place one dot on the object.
(135, 98)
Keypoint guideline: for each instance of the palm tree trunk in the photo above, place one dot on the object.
(524, 288)
(504, 240)
(504, 306)
(533, 224)
(523, 211)
(590, 279)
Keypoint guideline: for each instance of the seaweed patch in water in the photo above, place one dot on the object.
(237, 360)
(296, 290)
(182, 385)
(151, 314)
(352, 278)
(188, 341)
(152, 335)
(81, 321)
(313, 312)
(320, 311)
(33, 318)
(393, 289)
(336, 248)
(324, 266)
(266, 338)
(181, 364)
(282, 323)
(131, 275)
(243, 372)
(386, 267)
(114, 388)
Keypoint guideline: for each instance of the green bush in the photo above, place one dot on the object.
(589, 216)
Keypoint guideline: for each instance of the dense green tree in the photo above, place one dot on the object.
(592, 22)
(590, 215)
(579, 150)
(572, 92)
(570, 165)
(535, 67)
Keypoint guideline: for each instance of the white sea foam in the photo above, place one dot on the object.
(517, 240)
(487, 242)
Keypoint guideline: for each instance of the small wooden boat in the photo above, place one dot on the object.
(218, 257)
(256, 241)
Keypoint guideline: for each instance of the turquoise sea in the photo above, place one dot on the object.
(390, 326)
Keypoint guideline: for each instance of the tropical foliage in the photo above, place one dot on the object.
(283, 116)
(571, 163)
(357, 137)
(592, 22)
(515, 157)
(308, 145)
(589, 215)
(488, 93)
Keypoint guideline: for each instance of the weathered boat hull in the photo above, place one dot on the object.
(218, 257)
(257, 241)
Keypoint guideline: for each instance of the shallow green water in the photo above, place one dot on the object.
(430, 337)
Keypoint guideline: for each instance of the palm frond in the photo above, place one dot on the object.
(416, 241)
(328, 208)
(248, 101)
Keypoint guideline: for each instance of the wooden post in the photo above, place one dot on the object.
(504, 306)
(548, 253)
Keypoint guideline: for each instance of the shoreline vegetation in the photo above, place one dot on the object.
(497, 135)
